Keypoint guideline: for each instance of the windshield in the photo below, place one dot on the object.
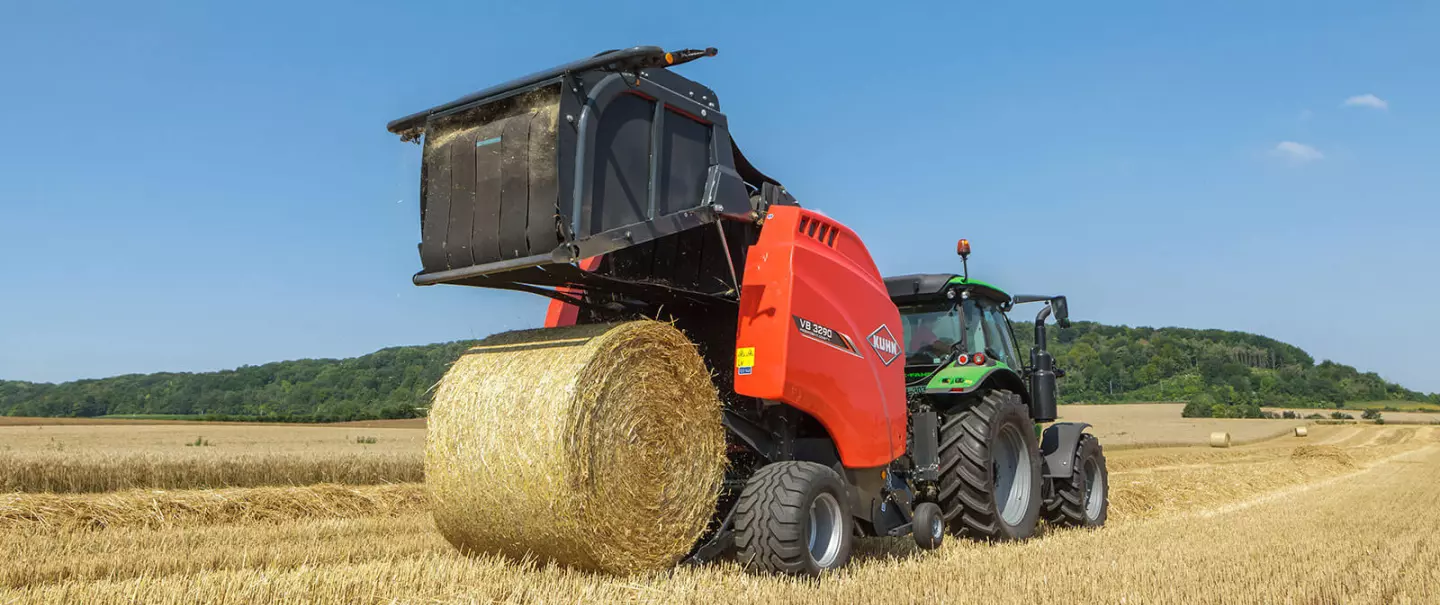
(930, 331)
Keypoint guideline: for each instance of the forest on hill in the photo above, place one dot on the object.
(1219, 373)
(389, 383)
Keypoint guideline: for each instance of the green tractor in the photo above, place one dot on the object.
(995, 470)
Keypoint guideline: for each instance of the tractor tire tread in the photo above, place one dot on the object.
(966, 476)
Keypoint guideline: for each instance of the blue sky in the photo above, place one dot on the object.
(196, 186)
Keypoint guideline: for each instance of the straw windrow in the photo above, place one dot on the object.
(595, 447)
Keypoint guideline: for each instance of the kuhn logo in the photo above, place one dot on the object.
(885, 345)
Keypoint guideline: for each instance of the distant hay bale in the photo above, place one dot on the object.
(1219, 439)
(596, 447)
(1301, 431)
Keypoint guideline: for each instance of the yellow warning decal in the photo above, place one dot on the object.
(744, 360)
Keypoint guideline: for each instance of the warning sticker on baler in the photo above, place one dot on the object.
(744, 360)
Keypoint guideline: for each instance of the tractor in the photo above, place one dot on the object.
(854, 405)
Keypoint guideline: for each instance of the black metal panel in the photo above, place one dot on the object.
(514, 186)
(684, 163)
(436, 217)
(458, 238)
(622, 165)
(485, 226)
(714, 266)
(925, 427)
(1058, 445)
(689, 248)
(545, 176)
(665, 261)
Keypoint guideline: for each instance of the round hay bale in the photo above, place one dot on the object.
(1219, 439)
(596, 447)
(1301, 431)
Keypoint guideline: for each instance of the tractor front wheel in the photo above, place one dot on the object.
(794, 518)
(990, 478)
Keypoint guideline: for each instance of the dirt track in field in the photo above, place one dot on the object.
(1345, 515)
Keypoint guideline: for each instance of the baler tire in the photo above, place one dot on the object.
(1074, 503)
(928, 526)
(968, 470)
(773, 519)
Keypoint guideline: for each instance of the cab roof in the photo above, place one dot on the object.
(921, 286)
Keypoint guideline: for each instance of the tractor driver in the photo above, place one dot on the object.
(926, 339)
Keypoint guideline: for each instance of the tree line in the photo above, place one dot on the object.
(390, 383)
(1217, 372)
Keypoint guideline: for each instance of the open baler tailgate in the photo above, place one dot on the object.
(586, 159)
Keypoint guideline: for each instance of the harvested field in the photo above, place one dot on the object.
(1253, 523)
(1125, 425)
(1242, 525)
(96, 458)
(1408, 406)
(399, 423)
(1390, 417)
(63, 455)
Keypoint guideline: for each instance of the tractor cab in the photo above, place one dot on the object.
(968, 316)
(955, 331)
(958, 340)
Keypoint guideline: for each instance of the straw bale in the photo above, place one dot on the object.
(595, 447)
(1220, 439)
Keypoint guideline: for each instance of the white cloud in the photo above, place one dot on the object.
(1306, 114)
(1366, 100)
(1298, 153)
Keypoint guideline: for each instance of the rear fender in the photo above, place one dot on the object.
(974, 378)
(1058, 445)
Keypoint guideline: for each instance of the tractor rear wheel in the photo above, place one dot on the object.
(794, 518)
(1083, 500)
(990, 478)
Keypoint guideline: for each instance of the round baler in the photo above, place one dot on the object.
(722, 372)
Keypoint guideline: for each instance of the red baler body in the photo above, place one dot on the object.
(817, 331)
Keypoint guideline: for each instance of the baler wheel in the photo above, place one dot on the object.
(928, 527)
(794, 518)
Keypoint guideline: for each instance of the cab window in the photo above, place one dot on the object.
(930, 332)
(976, 340)
(1000, 337)
(987, 331)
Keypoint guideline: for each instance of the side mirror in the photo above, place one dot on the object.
(1062, 311)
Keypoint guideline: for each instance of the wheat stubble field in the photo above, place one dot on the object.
(1347, 514)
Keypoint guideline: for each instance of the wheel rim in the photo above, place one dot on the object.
(1094, 489)
(1012, 475)
(937, 527)
(826, 527)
